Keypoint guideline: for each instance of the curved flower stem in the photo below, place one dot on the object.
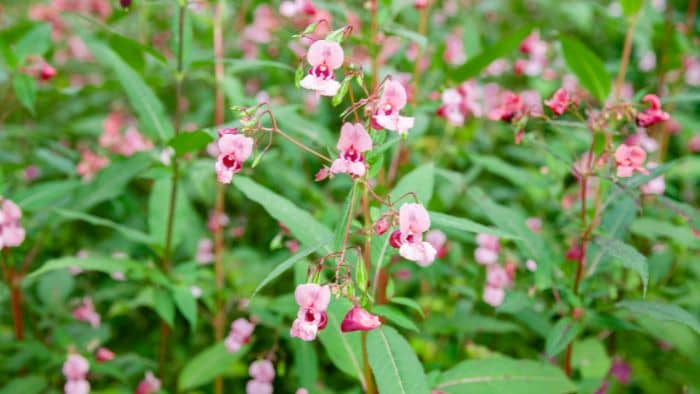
(167, 251)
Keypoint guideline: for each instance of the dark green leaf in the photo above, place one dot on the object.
(190, 142)
(395, 366)
(661, 311)
(587, 66)
(24, 87)
(208, 365)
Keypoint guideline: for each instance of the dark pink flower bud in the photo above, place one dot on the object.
(574, 253)
(420, 4)
(322, 174)
(47, 72)
(395, 239)
(125, 3)
(227, 130)
(621, 371)
(103, 354)
(381, 226)
(358, 319)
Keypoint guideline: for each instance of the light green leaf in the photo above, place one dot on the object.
(516, 175)
(661, 311)
(24, 87)
(409, 302)
(36, 42)
(627, 255)
(209, 364)
(653, 229)
(395, 366)
(350, 202)
(343, 349)
(587, 66)
(504, 375)
(186, 303)
(561, 335)
(395, 316)
(441, 220)
(128, 232)
(54, 287)
(32, 384)
(158, 208)
(190, 142)
(163, 305)
(419, 181)
(591, 359)
(111, 181)
(502, 48)
(46, 194)
(631, 7)
(101, 264)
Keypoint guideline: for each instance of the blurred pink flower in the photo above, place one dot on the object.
(75, 367)
(559, 102)
(90, 164)
(531, 265)
(85, 311)
(103, 354)
(656, 185)
(353, 143)
(439, 241)
(653, 114)
(534, 224)
(386, 114)
(241, 331)
(647, 61)
(630, 159)
(262, 370)
(205, 251)
(692, 71)
(11, 231)
(80, 386)
(454, 49)
(148, 385)
(258, 387)
(31, 173)
(413, 222)
(487, 251)
(494, 296)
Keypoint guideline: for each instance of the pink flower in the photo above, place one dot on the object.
(559, 101)
(302, 390)
(205, 251)
(354, 141)
(653, 114)
(386, 114)
(694, 144)
(262, 370)
(257, 387)
(358, 319)
(149, 385)
(630, 159)
(494, 296)
(103, 354)
(488, 250)
(531, 265)
(241, 331)
(324, 57)
(621, 371)
(381, 226)
(80, 386)
(496, 276)
(413, 222)
(234, 149)
(454, 49)
(647, 62)
(75, 367)
(217, 220)
(90, 164)
(509, 109)
(439, 241)
(31, 173)
(654, 186)
(692, 71)
(11, 232)
(313, 301)
(85, 312)
(534, 224)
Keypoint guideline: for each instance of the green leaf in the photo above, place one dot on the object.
(587, 66)
(299, 75)
(591, 359)
(289, 263)
(631, 7)
(300, 223)
(395, 366)
(209, 364)
(503, 48)
(662, 312)
(163, 305)
(653, 229)
(54, 287)
(344, 350)
(350, 202)
(441, 220)
(409, 302)
(561, 335)
(419, 181)
(186, 303)
(32, 384)
(627, 255)
(517, 175)
(111, 181)
(24, 87)
(305, 362)
(395, 316)
(504, 375)
(342, 91)
(36, 42)
(190, 142)
(128, 232)
(46, 194)
(93, 263)
(149, 109)
(158, 209)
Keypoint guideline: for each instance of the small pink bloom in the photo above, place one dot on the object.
(313, 296)
(413, 220)
(654, 186)
(31, 173)
(85, 312)
(386, 114)
(439, 241)
(324, 57)
(510, 108)
(241, 331)
(313, 301)
(205, 251)
(353, 143)
(454, 49)
(485, 256)
(647, 62)
(234, 149)
(75, 367)
(534, 224)
(381, 226)
(90, 164)
(395, 239)
(621, 371)
(302, 390)
(47, 72)
(653, 114)
(559, 101)
(358, 319)
(322, 174)
(488, 241)
(262, 370)
(496, 276)
(630, 159)
(531, 265)
(258, 387)
(421, 252)
(217, 220)
(11, 231)
(103, 354)
(149, 385)
(494, 296)
(419, 5)
(292, 245)
(694, 144)
(80, 386)
(574, 253)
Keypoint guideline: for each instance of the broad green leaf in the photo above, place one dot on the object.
(150, 111)
(54, 287)
(36, 42)
(661, 311)
(653, 229)
(187, 304)
(591, 359)
(300, 223)
(46, 194)
(561, 335)
(504, 375)
(305, 362)
(158, 209)
(32, 384)
(350, 202)
(503, 48)
(627, 255)
(395, 316)
(409, 302)
(56, 161)
(289, 263)
(190, 142)
(587, 66)
(395, 366)
(631, 7)
(128, 232)
(163, 305)
(209, 364)
(344, 350)
(101, 264)
(516, 175)
(441, 220)
(419, 181)
(25, 88)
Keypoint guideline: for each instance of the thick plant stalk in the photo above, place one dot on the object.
(167, 251)
(626, 52)
(219, 318)
(367, 371)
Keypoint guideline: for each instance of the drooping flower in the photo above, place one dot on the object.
(386, 114)
(103, 354)
(488, 250)
(652, 115)
(324, 57)
(234, 149)
(85, 312)
(148, 385)
(353, 143)
(241, 331)
(559, 102)
(263, 373)
(313, 301)
(80, 386)
(75, 367)
(358, 319)
(630, 159)
(11, 231)
(413, 222)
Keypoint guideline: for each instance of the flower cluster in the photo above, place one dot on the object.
(124, 143)
(413, 222)
(148, 385)
(386, 112)
(11, 230)
(313, 301)
(559, 102)
(354, 141)
(497, 278)
(241, 331)
(85, 311)
(234, 149)
(263, 373)
(75, 369)
(536, 51)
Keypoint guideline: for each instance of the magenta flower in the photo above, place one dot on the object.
(354, 141)
(234, 149)
(413, 222)
(103, 354)
(313, 301)
(510, 108)
(241, 331)
(653, 114)
(75, 367)
(148, 385)
(488, 250)
(11, 232)
(85, 312)
(386, 114)
(324, 57)
(630, 159)
(559, 102)
(621, 371)
(358, 319)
